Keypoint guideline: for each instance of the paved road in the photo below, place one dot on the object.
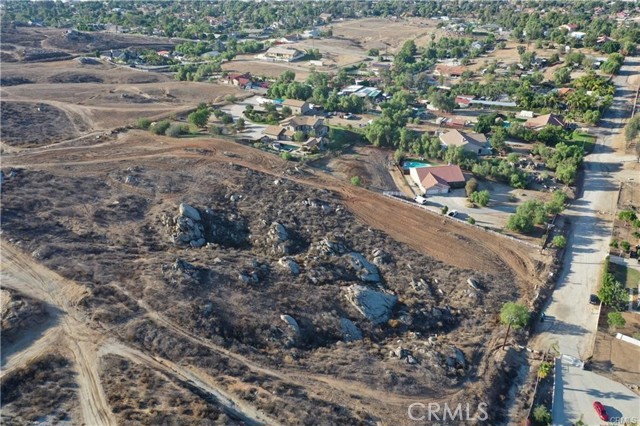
(572, 322)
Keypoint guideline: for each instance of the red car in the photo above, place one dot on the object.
(601, 411)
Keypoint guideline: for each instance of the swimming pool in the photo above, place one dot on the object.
(412, 164)
(285, 147)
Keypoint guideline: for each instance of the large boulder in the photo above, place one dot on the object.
(190, 212)
(376, 306)
(366, 271)
(292, 323)
(279, 231)
(289, 264)
(350, 332)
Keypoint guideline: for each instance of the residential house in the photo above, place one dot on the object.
(578, 35)
(164, 53)
(297, 107)
(282, 54)
(314, 144)
(325, 17)
(306, 124)
(289, 39)
(278, 133)
(312, 33)
(449, 71)
(378, 67)
(437, 179)
(470, 142)
(211, 54)
(541, 121)
(568, 27)
(525, 114)
(563, 91)
(464, 101)
(242, 81)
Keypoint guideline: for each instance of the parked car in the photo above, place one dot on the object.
(601, 411)
(594, 300)
(453, 213)
(420, 200)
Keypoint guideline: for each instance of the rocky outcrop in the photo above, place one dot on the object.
(195, 228)
(290, 265)
(350, 332)
(292, 323)
(373, 305)
(455, 358)
(364, 270)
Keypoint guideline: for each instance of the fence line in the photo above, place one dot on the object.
(396, 195)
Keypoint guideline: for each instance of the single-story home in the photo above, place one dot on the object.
(378, 67)
(437, 179)
(297, 107)
(470, 142)
(240, 80)
(464, 101)
(283, 54)
(449, 71)
(542, 121)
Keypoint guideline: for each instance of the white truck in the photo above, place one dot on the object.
(420, 199)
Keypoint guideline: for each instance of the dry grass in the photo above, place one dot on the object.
(43, 389)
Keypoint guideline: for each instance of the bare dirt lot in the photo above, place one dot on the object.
(369, 33)
(614, 358)
(253, 302)
(248, 63)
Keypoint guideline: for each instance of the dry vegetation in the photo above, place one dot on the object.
(43, 390)
(99, 213)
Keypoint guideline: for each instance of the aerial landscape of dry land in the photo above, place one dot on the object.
(208, 234)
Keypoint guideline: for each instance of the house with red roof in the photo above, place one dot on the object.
(437, 179)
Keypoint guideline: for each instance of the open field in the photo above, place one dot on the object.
(248, 63)
(368, 33)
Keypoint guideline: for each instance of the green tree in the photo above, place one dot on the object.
(559, 241)
(471, 220)
(612, 293)
(627, 215)
(498, 139)
(484, 123)
(471, 186)
(615, 320)
(442, 102)
(481, 198)
(562, 76)
(356, 180)
(528, 214)
(286, 156)
(444, 209)
(240, 124)
(176, 129)
(143, 123)
(199, 117)
(513, 315)
(160, 127)
(541, 415)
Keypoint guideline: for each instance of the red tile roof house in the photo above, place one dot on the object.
(240, 80)
(437, 179)
(542, 121)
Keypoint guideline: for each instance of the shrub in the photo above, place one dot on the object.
(444, 210)
(545, 369)
(356, 180)
(615, 320)
(398, 156)
(471, 220)
(559, 241)
(481, 198)
(199, 118)
(471, 186)
(176, 129)
(612, 293)
(286, 156)
(215, 130)
(614, 243)
(160, 127)
(143, 123)
(542, 415)
(625, 245)
(627, 215)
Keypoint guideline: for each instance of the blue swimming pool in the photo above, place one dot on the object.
(285, 147)
(411, 164)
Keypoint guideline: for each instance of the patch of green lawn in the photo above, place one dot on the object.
(627, 276)
(585, 140)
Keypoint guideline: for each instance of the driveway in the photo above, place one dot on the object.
(572, 321)
(252, 130)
